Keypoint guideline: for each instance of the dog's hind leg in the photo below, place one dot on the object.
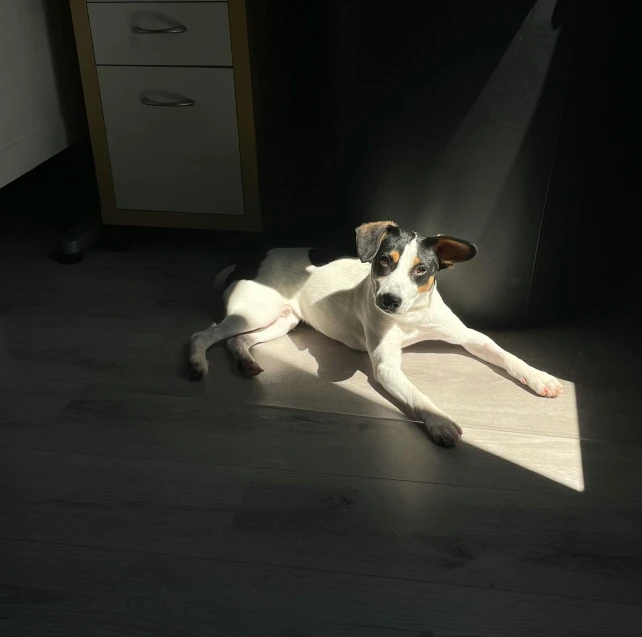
(240, 345)
(249, 307)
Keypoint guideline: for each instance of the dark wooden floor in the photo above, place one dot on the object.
(302, 503)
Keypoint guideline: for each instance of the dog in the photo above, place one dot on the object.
(382, 301)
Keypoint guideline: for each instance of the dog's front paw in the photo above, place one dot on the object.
(542, 383)
(197, 367)
(444, 431)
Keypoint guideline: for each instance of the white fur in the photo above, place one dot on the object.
(337, 299)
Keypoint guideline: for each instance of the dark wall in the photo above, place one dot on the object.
(291, 77)
(588, 261)
(449, 116)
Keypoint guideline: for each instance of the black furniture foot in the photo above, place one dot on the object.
(73, 242)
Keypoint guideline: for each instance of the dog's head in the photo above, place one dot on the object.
(404, 263)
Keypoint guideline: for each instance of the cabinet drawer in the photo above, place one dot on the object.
(200, 37)
(172, 158)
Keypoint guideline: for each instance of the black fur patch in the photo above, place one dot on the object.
(429, 261)
(394, 241)
(393, 244)
(246, 270)
(322, 256)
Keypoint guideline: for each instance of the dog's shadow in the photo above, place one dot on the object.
(334, 367)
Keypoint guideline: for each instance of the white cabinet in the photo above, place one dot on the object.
(169, 102)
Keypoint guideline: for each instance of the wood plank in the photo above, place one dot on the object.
(27, 387)
(123, 422)
(66, 354)
(305, 370)
(60, 590)
(117, 502)
(155, 272)
(27, 408)
(539, 543)
(85, 311)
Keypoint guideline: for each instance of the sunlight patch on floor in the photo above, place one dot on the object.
(555, 458)
(515, 425)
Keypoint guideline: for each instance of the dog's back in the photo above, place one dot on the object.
(287, 270)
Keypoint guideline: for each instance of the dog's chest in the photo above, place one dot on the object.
(347, 329)
(331, 302)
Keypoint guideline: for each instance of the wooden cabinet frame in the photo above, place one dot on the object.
(250, 220)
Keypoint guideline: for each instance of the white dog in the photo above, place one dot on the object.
(381, 303)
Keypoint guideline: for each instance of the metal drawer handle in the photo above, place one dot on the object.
(185, 102)
(180, 28)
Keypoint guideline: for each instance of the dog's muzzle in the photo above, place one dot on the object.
(389, 302)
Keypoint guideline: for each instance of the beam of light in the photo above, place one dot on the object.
(558, 459)
(498, 416)
(499, 121)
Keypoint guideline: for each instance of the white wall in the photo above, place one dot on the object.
(40, 97)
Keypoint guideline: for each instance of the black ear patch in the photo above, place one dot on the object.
(450, 250)
(370, 236)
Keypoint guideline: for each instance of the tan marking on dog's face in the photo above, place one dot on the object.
(427, 286)
(374, 225)
(394, 255)
(370, 224)
(369, 238)
(416, 261)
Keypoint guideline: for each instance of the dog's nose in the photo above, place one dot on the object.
(390, 302)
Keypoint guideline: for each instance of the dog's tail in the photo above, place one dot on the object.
(221, 277)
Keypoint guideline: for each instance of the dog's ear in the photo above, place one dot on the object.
(450, 250)
(369, 238)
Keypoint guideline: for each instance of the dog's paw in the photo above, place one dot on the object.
(542, 383)
(248, 367)
(444, 431)
(197, 367)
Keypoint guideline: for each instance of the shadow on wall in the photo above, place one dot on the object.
(291, 79)
(582, 267)
(61, 42)
(444, 116)
(456, 126)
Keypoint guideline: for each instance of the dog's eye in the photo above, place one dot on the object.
(384, 260)
(420, 269)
